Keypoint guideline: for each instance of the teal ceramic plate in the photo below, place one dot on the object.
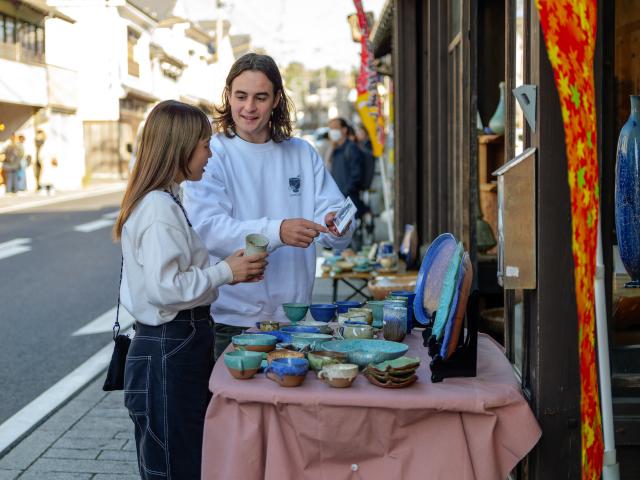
(449, 291)
(400, 363)
(362, 352)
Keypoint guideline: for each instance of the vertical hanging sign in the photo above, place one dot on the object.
(569, 28)
(368, 103)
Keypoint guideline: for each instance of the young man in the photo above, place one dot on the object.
(261, 180)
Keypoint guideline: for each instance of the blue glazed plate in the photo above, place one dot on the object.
(362, 352)
(453, 328)
(431, 277)
(448, 293)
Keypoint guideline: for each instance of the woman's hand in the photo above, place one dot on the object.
(246, 268)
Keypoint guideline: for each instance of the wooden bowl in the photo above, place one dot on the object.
(381, 286)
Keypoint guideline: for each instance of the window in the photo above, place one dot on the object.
(132, 40)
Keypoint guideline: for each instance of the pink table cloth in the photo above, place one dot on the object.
(459, 429)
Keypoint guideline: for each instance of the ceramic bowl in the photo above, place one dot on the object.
(286, 333)
(323, 312)
(319, 359)
(365, 311)
(363, 352)
(345, 305)
(344, 265)
(271, 356)
(268, 325)
(295, 311)
(255, 342)
(313, 340)
(322, 327)
(339, 375)
(242, 364)
(288, 372)
(356, 330)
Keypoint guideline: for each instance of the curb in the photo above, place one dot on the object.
(92, 192)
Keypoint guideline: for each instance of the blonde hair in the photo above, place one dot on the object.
(169, 137)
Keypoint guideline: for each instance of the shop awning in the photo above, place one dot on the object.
(382, 30)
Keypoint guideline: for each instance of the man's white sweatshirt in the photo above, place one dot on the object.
(251, 188)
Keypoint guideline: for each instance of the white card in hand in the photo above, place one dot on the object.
(345, 214)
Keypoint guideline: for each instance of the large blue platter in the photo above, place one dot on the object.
(431, 277)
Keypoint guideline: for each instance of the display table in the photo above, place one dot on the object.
(463, 428)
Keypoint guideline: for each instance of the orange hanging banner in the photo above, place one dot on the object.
(569, 28)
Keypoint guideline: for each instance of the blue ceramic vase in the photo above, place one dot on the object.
(627, 193)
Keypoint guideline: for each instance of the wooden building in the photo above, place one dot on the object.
(448, 59)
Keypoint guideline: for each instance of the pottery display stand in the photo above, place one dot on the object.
(462, 363)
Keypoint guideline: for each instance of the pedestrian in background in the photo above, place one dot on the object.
(22, 170)
(347, 162)
(48, 165)
(13, 155)
(168, 285)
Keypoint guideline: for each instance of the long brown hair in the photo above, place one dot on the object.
(280, 125)
(169, 137)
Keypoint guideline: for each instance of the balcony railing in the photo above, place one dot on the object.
(17, 53)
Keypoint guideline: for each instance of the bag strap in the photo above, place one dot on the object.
(177, 200)
(116, 326)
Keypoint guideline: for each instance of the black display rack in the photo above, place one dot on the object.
(462, 363)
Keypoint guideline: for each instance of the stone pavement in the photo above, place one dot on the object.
(91, 437)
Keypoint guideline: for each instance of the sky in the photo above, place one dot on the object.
(313, 32)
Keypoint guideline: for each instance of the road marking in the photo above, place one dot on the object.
(93, 226)
(107, 220)
(29, 417)
(14, 247)
(111, 215)
(104, 323)
(94, 192)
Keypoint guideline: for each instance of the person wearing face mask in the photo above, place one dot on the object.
(347, 162)
(262, 180)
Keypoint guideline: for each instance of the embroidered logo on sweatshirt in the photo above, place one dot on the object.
(294, 185)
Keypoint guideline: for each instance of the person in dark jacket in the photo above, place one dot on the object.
(347, 162)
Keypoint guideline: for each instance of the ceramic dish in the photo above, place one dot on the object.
(323, 312)
(312, 340)
(399, 364)
(271, 356)
(431, 277)
(255, 342)
(363, 352)
(454, 325)
(322, 327)
(387, 377)
(449, 293)
(391, 384)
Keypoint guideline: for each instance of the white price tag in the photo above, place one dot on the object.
(345, 214)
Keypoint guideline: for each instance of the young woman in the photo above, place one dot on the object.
(168, 285)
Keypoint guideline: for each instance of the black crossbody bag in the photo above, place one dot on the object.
(115, 373)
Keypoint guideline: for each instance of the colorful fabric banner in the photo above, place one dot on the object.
(569, 28)
(368, 104)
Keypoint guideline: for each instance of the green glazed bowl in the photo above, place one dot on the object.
(295, 311)
(243, 364)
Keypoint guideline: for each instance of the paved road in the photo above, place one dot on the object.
(53, 280)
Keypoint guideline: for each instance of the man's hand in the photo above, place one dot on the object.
(299, 232)
(329, 219)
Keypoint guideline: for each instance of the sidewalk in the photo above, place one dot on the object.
(15, 202)
(91, 437)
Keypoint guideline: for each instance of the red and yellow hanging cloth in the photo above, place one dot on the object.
(569, 28)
